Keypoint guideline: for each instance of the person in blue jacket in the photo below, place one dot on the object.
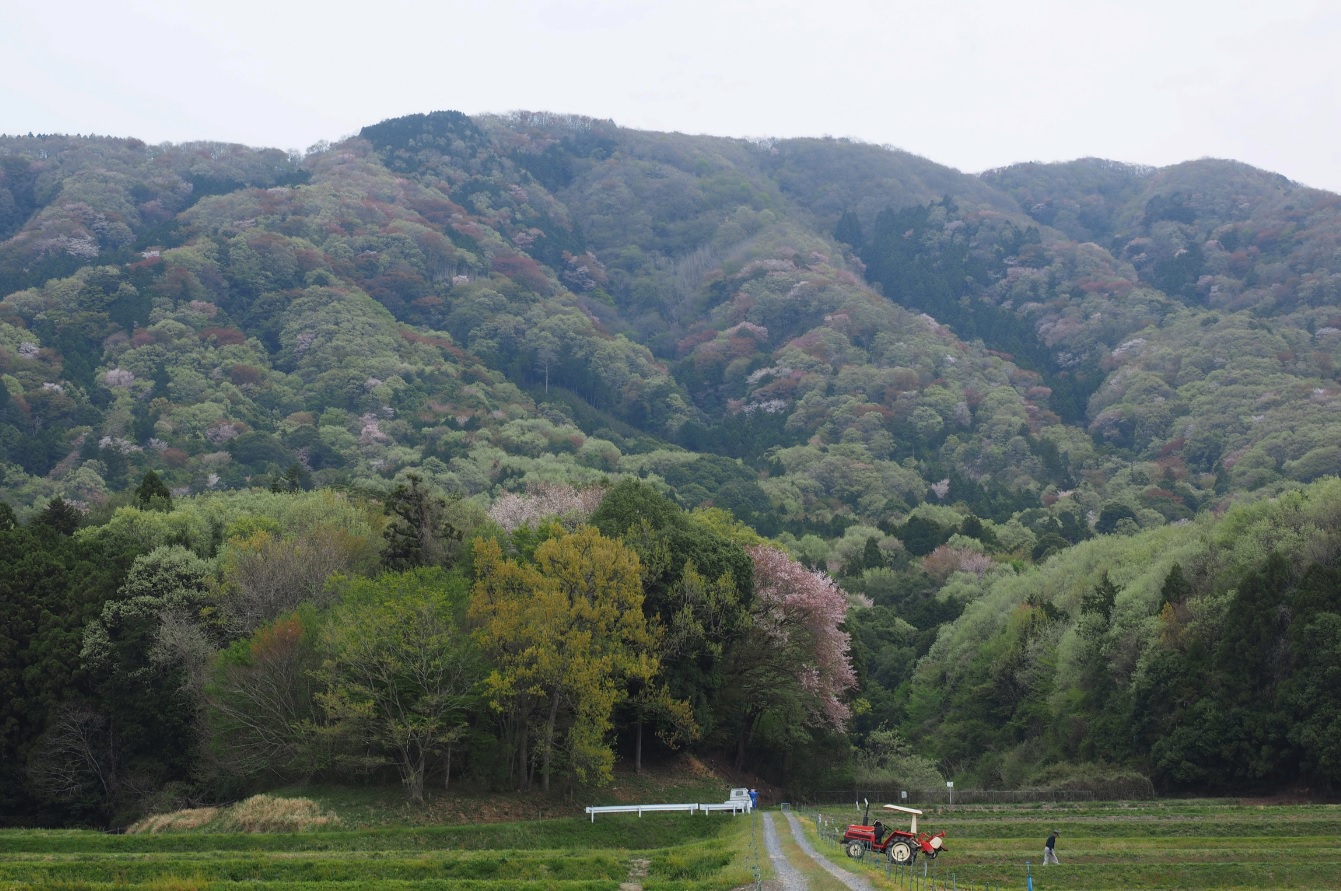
(754, 798)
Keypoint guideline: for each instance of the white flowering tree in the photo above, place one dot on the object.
(545, 501)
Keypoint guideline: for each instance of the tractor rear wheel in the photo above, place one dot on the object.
(900, 852)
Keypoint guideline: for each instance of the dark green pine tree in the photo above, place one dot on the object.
(152, 493)
(871, 555)
(848, 230)
(419, 533)
(60, 515)
(1176, 588)
(1100, 601)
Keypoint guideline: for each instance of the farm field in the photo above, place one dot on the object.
(569, 854)
(1106, 847)
(1103, 847)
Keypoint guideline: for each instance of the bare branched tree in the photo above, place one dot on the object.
(259, 705)
(76, 757)
(265, 576)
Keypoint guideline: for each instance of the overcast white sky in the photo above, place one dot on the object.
(969, 83)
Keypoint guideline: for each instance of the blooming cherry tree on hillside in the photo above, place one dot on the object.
(799, 610)
(545, 501)
(793, 664)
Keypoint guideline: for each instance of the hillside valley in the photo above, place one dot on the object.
(1062, 436)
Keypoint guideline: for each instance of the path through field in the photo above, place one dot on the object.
(789, 877)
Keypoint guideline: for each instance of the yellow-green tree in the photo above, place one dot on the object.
(565, 635)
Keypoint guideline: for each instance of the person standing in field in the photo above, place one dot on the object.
(1050, 850)
(754, 799)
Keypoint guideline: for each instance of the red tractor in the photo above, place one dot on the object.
(900, 847)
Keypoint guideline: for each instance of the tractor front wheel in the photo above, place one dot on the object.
(900, 853)
(855, 848)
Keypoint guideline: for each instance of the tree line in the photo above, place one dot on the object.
(191, 650)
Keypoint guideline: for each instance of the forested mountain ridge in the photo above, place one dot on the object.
(1233, 374)
(926, 383)
(683, 286)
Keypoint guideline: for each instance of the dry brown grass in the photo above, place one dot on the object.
(260, 813)
(177, 821)
(266, 813)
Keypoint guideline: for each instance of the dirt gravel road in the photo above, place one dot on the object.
(789, 878)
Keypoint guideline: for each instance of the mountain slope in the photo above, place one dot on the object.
(501, 300)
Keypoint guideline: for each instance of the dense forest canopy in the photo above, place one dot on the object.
(944, 474)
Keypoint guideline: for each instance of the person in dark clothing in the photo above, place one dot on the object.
(1050, 849)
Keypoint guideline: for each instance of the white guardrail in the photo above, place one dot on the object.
(736, 807)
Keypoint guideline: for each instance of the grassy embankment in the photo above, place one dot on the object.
(1115, 847)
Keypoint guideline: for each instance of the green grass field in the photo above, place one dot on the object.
(569, 854)
(1145, 845)
(1154, 845)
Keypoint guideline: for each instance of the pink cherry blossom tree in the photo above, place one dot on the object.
(793, 663)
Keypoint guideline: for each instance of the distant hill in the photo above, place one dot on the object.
(832, 333)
